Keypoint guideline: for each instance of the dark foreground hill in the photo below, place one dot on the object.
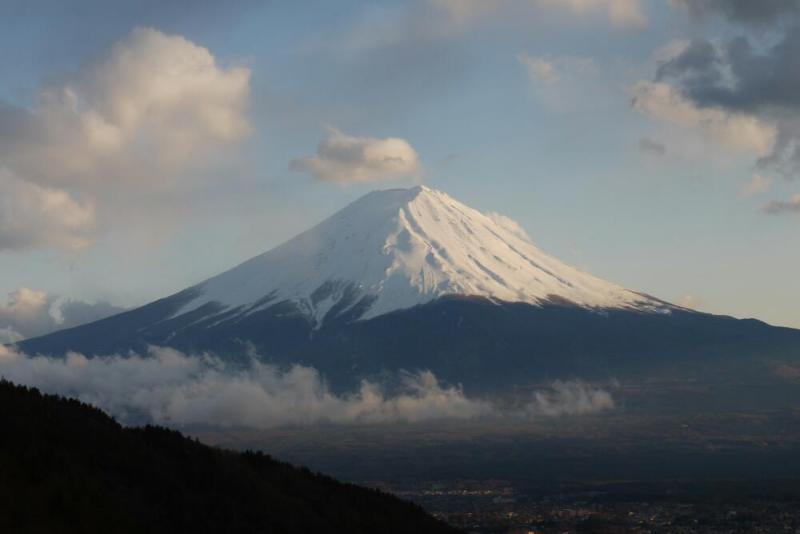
(68, 467)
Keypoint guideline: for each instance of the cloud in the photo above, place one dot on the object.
(562, 82)
(651, 146)
(510, 224)
(172, 388)
(743, 11)
(621, 13)
(426, 24)
(33, 312)
(9, 335)
(758, 184)
(777, 207)
(736, 131)
(345, 159)
(572, 397)
(150, 105)
(693, 302)
(752, 82)
(540, 70)
(34, 216)
(150, 109)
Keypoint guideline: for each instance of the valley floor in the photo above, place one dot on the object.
(677, 465)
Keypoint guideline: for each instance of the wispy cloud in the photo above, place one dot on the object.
(777, 207)
(651, 146)
(757, 184)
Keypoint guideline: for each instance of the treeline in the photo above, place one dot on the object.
(68, 467)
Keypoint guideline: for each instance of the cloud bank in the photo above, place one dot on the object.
(345, 159)
(171, 388)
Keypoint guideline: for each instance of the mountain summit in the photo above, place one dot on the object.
(399, 248)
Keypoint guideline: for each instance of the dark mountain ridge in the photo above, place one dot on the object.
(68, 467)
(484, 345)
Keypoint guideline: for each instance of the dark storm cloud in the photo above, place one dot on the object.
(742, 78)
(757, 12)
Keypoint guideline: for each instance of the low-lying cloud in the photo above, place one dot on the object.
(171, 388)
(573, 397)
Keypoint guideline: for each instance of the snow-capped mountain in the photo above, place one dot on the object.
(389, 283)
(395, 249)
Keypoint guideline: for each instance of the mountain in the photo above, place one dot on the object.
(392, 250)
(412, 279)
(67, 467)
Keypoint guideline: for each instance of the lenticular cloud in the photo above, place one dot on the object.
(172, 388)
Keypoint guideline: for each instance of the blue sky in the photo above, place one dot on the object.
(125, 180)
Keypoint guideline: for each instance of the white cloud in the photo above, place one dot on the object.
(33, 312)
(737, 132)
(150, 110)
(563, 83)
(147, 108)
(540, 70)
(9, 335)
(693, 302)
(573, 397)
(34, 216)
(510, 224)
(550, 71)
(169, 387)
(344, 159)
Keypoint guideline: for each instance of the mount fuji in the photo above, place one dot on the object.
(413, 279)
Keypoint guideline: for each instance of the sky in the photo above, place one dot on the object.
(146, 147)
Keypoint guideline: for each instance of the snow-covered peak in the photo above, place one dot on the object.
(398, 248)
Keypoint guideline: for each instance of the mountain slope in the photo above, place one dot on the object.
(411, 279)
(68, 467)
(395, 249)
